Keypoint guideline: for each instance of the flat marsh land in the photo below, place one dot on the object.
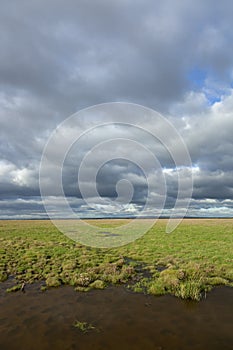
(185, 263)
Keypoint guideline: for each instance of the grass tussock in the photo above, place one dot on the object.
(83, 326)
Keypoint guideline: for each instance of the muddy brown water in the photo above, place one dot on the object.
(124, 320)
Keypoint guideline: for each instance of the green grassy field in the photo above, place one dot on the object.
(185, 263)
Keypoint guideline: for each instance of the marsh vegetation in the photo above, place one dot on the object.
(187, 263)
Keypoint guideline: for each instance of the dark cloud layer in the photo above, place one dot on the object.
(57, 57)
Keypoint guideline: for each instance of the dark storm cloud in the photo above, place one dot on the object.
(59, 56)
(20, 208)
(77, 53)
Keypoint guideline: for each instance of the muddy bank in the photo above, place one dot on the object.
(123, 320)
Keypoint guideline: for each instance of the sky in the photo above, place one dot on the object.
(59, 57)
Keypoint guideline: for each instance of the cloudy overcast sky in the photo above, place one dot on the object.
(172, 56)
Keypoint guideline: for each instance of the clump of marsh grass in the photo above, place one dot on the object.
(97, 284)
(3, 276)
(52, 281)
(190, 290)
(14, 288)
(186, 283)
(83, 326)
